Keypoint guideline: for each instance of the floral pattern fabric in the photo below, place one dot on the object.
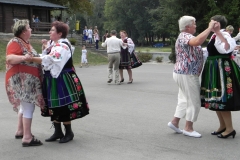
(189, 59)
(220, 86)
(55, 56)
(23, 80)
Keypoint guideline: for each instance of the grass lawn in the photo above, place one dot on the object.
(93, 58)
(153, 49)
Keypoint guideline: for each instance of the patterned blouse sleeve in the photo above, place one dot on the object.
(220, 46)
(131, 45)
(56, 59)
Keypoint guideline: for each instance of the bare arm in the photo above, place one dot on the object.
(198, 40)
(35, 60)
(16, 59)
(223, 40)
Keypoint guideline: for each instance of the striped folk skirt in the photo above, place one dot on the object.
(64, 97)
(220, 85)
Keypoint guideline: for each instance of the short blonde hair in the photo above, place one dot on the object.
(19, 26)
(230, 28)
(185, 21)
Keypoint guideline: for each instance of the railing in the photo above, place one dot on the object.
(41, 27)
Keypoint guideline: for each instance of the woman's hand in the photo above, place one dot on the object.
(44, 44)
(27, 58)
(216, 27)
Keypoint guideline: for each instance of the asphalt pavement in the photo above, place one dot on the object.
(126, 122)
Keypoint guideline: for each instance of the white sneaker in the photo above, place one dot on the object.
(170, 125)
(192, 134)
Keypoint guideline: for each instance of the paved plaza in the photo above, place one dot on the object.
(126, 122)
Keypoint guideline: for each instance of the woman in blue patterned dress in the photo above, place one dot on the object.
(220, 86)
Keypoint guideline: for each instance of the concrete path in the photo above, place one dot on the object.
(126, 122)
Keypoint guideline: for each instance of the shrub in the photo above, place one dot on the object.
(159, 59)
(144, 57)
(73, 41)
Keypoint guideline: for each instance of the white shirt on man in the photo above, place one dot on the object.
(113, 44)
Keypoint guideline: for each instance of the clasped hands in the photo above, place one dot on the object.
(214, 26)
(27, 57)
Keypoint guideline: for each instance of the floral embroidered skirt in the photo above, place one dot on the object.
(220, 86)
(64, 97)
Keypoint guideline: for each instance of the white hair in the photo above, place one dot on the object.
(185, 21)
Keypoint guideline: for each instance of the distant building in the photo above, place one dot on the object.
(11, 10)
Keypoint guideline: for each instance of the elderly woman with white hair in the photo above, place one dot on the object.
(189, 63)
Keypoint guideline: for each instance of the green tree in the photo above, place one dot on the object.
(75, 6)
(131, 16)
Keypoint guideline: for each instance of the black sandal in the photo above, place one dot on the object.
(20, 136)
(34, 142)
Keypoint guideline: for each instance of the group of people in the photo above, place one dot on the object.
(218, 88)
(90, 35)
(57, 91)
(119, 56)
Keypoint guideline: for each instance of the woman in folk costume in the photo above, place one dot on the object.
(125, 54)
(62, 90)
(220, 86)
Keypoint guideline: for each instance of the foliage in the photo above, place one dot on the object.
(131, 16)
(82, 6)
(97, 18)
(144, 57)
(159, 59)
(172, 56)
(73, 41)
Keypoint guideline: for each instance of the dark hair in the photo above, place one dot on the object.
(221, 19)
(61, 28)
(113, 32)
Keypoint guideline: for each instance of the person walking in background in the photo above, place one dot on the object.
(113, 45)
(220, 86)
(85, 34)
(62, 89)
(84, 57)
(23, 81)
(96, 38)
(125, 61)
(188, 66)
(90, 35)
(106, 35)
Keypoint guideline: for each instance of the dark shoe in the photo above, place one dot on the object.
(34, 142)
(58, 134)
(130, 82)
(18, 136)
(122, 80)
(233, 133)
(217, 133)
(109, 81)
(68, 134)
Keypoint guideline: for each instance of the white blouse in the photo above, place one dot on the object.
(131, 45)
(220, 45)
(57, 58)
